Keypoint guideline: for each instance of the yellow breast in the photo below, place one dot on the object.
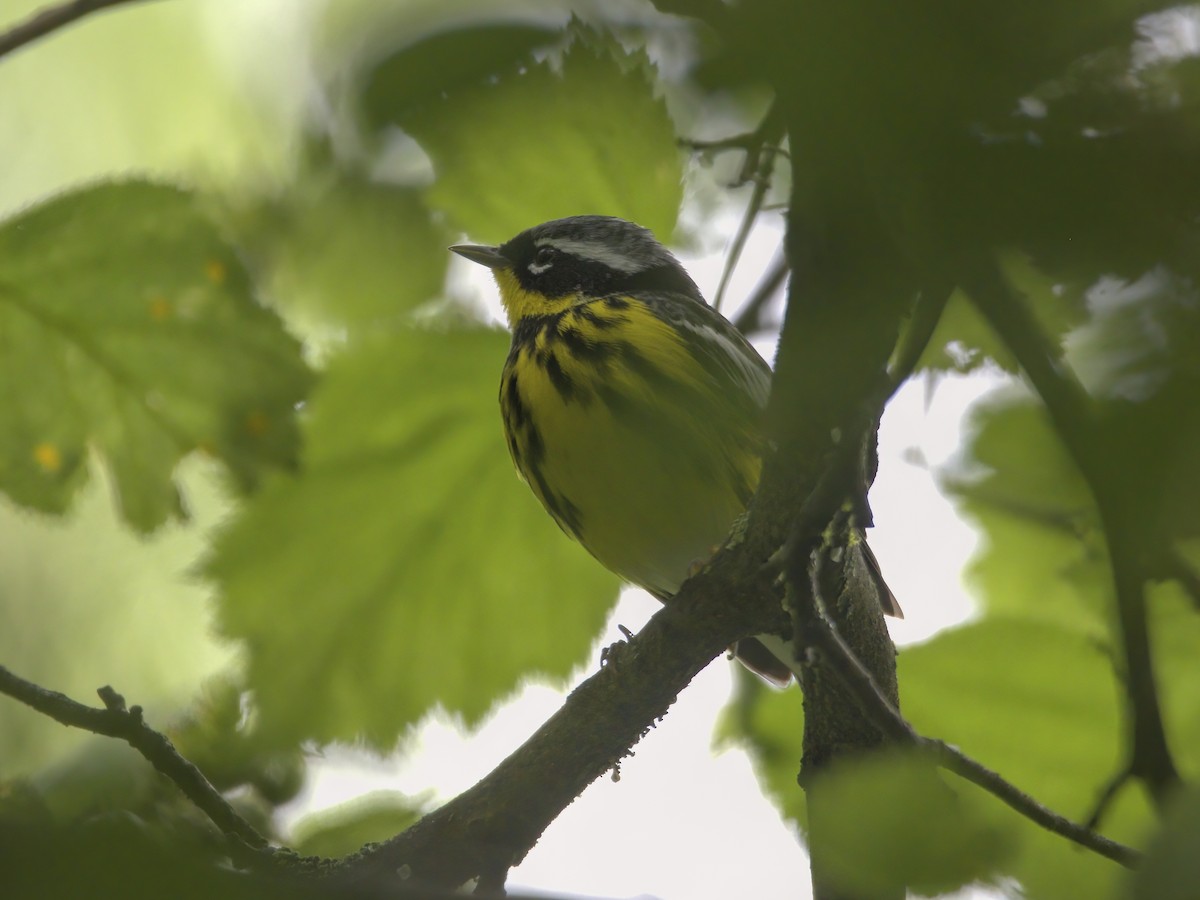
(622, 434)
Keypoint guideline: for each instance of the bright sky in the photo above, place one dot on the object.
(683, 823)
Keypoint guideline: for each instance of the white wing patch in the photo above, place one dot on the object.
(756, 381)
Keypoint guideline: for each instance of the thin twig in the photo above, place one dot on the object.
(959, 763)
(116, 721)
(823, 644)
(1072, 412)
(757, 193)
(1106, 797)
(761, 146)
(749, 317)
(52, 18)
(819, 640)
(756, 169)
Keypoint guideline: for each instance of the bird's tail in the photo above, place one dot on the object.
(774, 659)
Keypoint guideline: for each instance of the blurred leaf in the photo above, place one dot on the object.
(125, 857)
(1048, 722)
(536, 143)
(1171, 869)
(963, 340)
(1043, 552)
(1142, 333)
(219, 738)
(93, 101)
(1175, 632)
(130, 327)
(959, 130)
(895, 811)
(104, 776)
(445, 62)
(1037, 703)
(1140, 356)
(86, 602)
(347, 827)
(408, 566)
(349, 251)
(769, 724)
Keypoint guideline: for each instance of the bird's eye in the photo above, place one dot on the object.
(544, 258)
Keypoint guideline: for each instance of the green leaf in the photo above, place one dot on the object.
(130, 327)
(1171, 869)
(82, 106)
(538, 143)
(86, 602)
(445, 62)
(347, 827)
(963, 341)
(887, 821)
(1138, 356)
(346, 251)
(1044, 552)
(219, 739)
(1175, 635)
(407, 566)
(769, 723)
(1037, 703)
(1051, 703)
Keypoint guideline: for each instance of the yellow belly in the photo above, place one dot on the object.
(647, 499)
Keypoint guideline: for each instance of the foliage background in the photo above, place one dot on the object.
(253, 469)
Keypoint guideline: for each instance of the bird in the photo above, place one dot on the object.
(632, 408)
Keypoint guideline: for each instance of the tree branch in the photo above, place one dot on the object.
(490, 827)
(108, 858)
(51, 19)
(824, 647)
(819, 640)
(1072, 412)
(127, 724)
(493, 825)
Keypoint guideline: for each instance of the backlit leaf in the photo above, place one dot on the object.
(126, 324)
(895, 811)
(1039, 704)
(539, 142)
(346, 251)
(408, 566)
(1044, 553)
(347, 827)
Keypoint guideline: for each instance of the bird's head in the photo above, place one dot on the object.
(551, 266)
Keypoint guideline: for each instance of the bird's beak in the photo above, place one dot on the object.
(484, 255)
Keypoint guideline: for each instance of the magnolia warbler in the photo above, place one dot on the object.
(631, 407)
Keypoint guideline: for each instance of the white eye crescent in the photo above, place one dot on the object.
(542, 260)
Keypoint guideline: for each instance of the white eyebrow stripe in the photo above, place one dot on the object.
(595, 252)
